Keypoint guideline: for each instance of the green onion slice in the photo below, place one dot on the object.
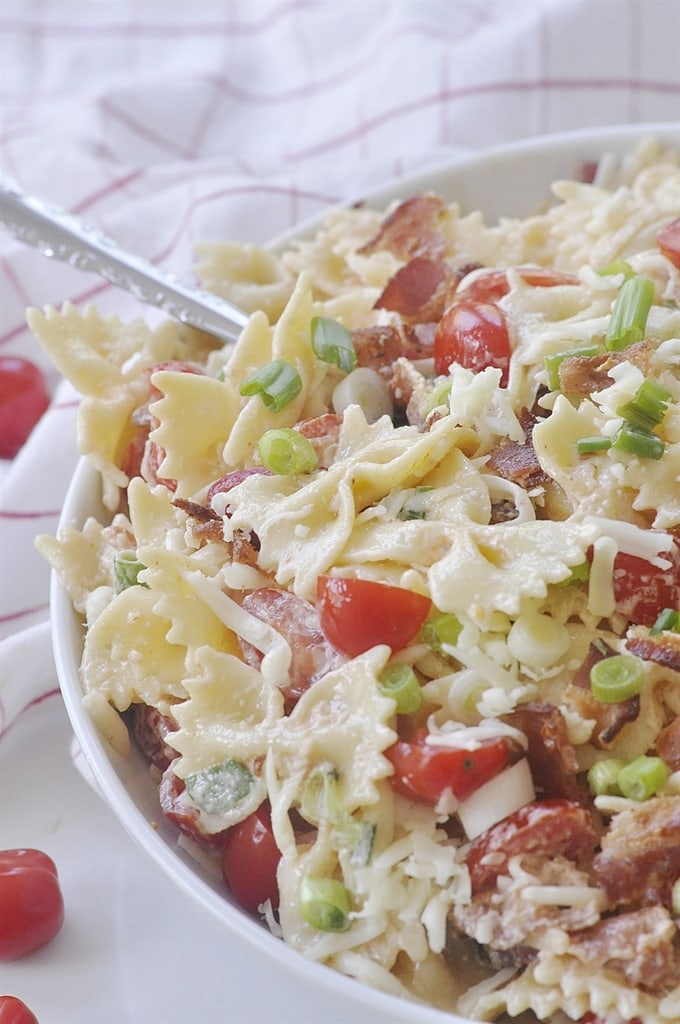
(356, 836)
(320, 798)
(629, 315)
(332, 343)
(441, 628)
(617, 678)
(603, 776)
(592, 445)
(284, 451)
(649, 406)
(126, 569)
(666, 621)
(401, 684)
(643, 777)
(277, 383)
(617, 267)
(221, 787)
(553, 362)
(438, 396)
(579, 574)
(324, 904)
(638, 442)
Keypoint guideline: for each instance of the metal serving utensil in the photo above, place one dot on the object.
(59, 235)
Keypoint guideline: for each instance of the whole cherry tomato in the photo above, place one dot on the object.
(14, 1011)
(31, 903)
(250, 859)
(358, 614)
(23, 400)
(425, 771)
(474, 335)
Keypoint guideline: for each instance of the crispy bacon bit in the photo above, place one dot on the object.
(298, 622)
(609, 718)
(151, 729)
(640, 853)
(667, 745)
(418, 291)
(205, 524)
(663, 649)
(323, 432)
(547, 827)
(380, 346)
(410, 391)
(518, 463)
(551, 757)
(642, 946)
(582, 375)
(414, 228)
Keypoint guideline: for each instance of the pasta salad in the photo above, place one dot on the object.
(389, 591)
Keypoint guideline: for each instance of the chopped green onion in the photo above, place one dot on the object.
(603, 776)
(356, 836)
(324, 904)
(638, 442)
(617, 678)
(617, 267)
(332, 343)
(320, 799)
(629, 314)
(401, 684)
(415, 506)
(438, 396)
(643, 777)
(591, 445)
(126, 569)
(221, 787)
(649, 406)
(441, 628)
(555, 359)
(284, 451)
(666, 621)
(579, 574)
(277, 383)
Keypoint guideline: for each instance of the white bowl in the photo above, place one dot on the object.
(510, 180)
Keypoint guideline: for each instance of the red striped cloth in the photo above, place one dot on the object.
(168, 123)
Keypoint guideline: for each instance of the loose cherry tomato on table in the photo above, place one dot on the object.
(668, 240)
(14, 1011)
(32, 906)
(425, 771)
(23, 400)
(358, 614)
(250, 859)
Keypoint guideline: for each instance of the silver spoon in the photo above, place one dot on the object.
(59, 235)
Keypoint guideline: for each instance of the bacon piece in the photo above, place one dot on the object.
(548, 827)
(206, 524)
(323, 433)
(609, 718)
(584, 375)
(641, 946)
(233, 479)
(663, 649)
(410, 391)
(298, 623)
(419, 290)
(379, 347)
(667, 745)
(151, 729)
(413, 228)
(640, 852)
(518, 463)
(551, 757)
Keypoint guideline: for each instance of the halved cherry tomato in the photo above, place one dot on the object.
(31, 903)
(250, 859)
(425, 771)
(474, 335)
(643, 590)
(23, 400)
(668, 240)
(358, 614)
(493, 285)
(14, 1011)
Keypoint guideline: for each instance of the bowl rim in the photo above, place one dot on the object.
(536, 153)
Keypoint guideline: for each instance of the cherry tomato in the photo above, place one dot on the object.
(23, 400)
(250, 859)
(668, 240)
(473, 334)
(424, 771)
(14, 1011)
(492, 286)
(643, 590)
(358, 614)
(30, 900)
